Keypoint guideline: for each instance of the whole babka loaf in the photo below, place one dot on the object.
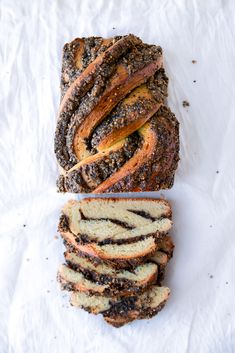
(114, 132)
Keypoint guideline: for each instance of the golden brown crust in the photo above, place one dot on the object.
(122, 84)
(118, 199)
(152, 166)
(82, 83)
(132, 112)
(134, 163)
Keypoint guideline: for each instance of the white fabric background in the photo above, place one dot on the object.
(34, 314)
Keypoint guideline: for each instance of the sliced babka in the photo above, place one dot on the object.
(98, 277)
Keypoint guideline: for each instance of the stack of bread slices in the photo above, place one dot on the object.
(116, 254)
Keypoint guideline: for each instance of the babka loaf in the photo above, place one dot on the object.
(120, 231)
(114, 133)
(118, 312)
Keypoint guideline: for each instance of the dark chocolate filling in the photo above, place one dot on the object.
(122, 307)
(115, 221)
(84, 239)
(145, 215)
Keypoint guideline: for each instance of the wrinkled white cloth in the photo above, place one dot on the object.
(35, 315)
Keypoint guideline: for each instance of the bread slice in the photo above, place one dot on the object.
(83, 275)
(128, 263)
(159, 257)
(110, 221)
(141, 276)
(130, 251)
(118, 312)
